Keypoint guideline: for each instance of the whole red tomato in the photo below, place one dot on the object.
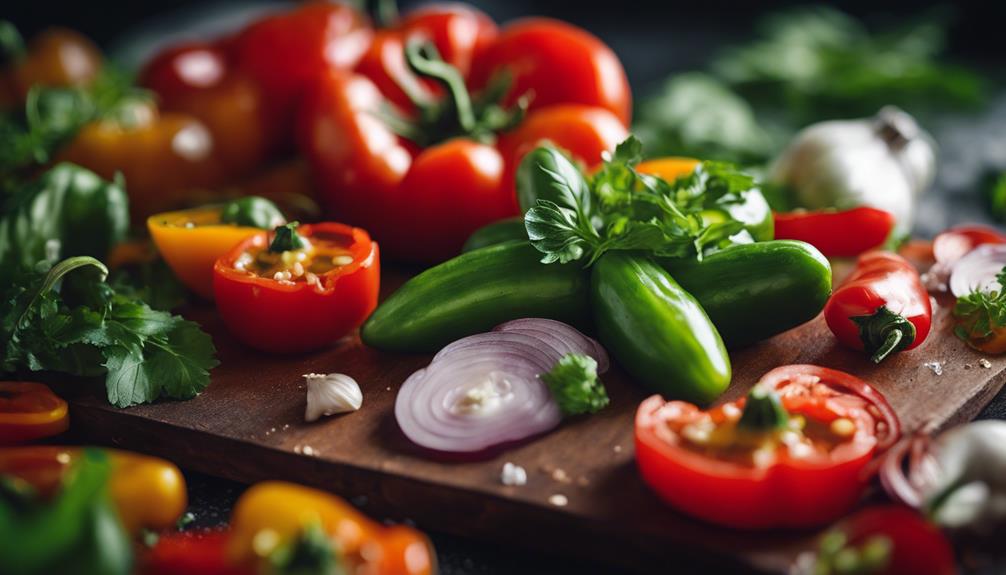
(198, 80)
(287, 52)
(556, 63)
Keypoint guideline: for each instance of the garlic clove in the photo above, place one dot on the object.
(331, 394)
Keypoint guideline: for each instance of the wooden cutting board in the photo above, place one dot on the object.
(249, 426)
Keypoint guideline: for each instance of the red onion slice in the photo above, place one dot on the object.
(483, 391)
(977, 270)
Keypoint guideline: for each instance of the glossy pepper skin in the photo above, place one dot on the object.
(30, 411)
(656, 330)
(270, 316)
(754, 291)
(442, 183)
(192, 251)
(146, 492)
(286, 509)
(474, 292)
(881, 308)
(845, 233)
(789, 492)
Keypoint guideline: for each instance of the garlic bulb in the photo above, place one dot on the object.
(970, 485)
(884, 162)
(331, 394)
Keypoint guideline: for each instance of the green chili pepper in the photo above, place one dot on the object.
(656, 330)
(474, 292)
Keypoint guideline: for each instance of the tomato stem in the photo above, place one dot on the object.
(763, 411)
(884, 332)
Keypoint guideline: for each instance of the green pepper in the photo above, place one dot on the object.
(496, 233)
(656, 330)
(754, 291)
(252, 212)
(474, 292)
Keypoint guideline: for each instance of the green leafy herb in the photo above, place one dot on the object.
(77, 532)
(817, 62)
(52, 116)
(68, 211)
(995, 192)
(621, 209)
(287, 239)
(312, 553)
(697, 115)
(252, 211)
(980, 313)
(78, 324)
(150, 281)
(575, 386)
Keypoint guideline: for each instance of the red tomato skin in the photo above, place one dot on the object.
(788, 494)
(452, 189)
(460, 33)
(556, 63)
(286, 52)
(919, 548)
(197, 79)
(358, 162)
(268, 316)
(880, 279)
(846, 233)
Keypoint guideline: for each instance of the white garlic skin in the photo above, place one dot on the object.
(331, 394)
(971, 487)
(884, 162)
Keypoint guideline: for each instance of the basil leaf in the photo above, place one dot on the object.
(68, 211)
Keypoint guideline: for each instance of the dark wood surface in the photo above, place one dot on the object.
(249, 426)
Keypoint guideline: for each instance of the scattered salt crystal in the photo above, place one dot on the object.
(984, 363)
(513, 474)
(618, 449)
(935, 366)
(308, 450)
(559, 500)
(560, 475)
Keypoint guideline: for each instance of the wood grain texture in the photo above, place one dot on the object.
(249, 426)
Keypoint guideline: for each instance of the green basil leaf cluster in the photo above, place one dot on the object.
(68, 211)
(570, 218)
(67, 319)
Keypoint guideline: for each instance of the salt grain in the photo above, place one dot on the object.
(560, 475)
(985, 363)
(935, 366)
(618, 449)
(513, 475)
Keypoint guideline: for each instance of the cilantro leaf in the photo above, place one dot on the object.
(574, 385)
(77, 324)
(981, 313)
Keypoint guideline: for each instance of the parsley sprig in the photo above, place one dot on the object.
(622, 209)
(981, 312)
(68, 319)
(575, 386)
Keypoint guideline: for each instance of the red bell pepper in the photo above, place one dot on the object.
(881, 308)
(845, 233)
(441, 164)
(792, 454)
(296, 298)
(888, 540)
(191, 553)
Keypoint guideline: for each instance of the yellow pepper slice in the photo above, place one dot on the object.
(669, 168)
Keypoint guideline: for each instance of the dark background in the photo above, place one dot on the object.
(654, 38)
